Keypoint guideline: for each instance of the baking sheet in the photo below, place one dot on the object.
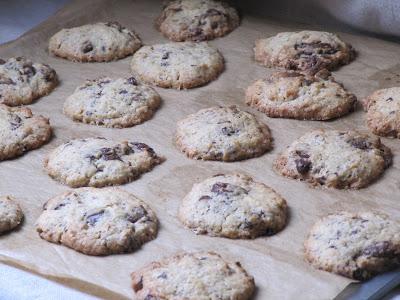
(276, 262)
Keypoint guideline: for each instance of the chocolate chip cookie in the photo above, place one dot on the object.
(21, 131)
(97, 221)
(305, 50)
(194, 20)
(222, 133)
(301, 96)
(193, 276)
(23, 81)
(383, 112)
(355, 245)
(177, 65)
(121, 102)
(233, 206)
(99, 162)
(10, 214)
(336, 159)
(94, 42)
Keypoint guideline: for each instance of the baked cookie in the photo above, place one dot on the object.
(99, 162)
(22, 81)
(97, 221)
(94, 42)
(337, 159)
(177, 65)
(305, 50)
(193, 276)
(222, 133)
(357, 246)
(383, 112)
(10, 214)
(121, 102)
(21, 131)
(194, 20)
(301, 96)
(233, 206)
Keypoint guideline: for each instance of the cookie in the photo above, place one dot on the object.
(383, 112)
(355, 245)
(99, 162)
(193, 276)
(177, 65)
(97, 221)
(222, 133)
(305, 50)
(335, 159)
(194, 20)
(10, 214)
(23, 81)
(122, 102)
(97, 42)
(21, 131)
(233, 206)
(301, 96)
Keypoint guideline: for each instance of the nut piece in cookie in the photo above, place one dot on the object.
(23, 81)
(233, 206)
(194, 20)
(21, 131)
(97, 42)
(99, 162)
(192, 276)
(10, 214)
(121, 102)
(357, 246)
(97, 221)
(305, 50)
(335, 159)
(177, 65)
(383, 112)
(296, 95)
(222, 133)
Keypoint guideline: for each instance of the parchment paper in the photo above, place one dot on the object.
(276, 262)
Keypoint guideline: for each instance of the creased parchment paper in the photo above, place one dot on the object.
(276, 262)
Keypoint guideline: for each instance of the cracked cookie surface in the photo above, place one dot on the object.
(193, 276)
(23, 81)
(305, 50)
(99, 162)
(177, 65)
(10, 214)
(94, 42)
(97, 221)
(21, 131)
(121, 102)
(337, 159)
(222, 133)
(301, 96)
(383, 112)
(194, 20)
(355, 245)
(233, 206)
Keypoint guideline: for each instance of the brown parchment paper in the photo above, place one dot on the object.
(276, 262)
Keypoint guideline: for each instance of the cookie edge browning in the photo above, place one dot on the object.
(156, 160)
(136, 276)
(41, 134)
(272, 229)
(281, 161)
(254, 100)
(194, 154)
(94, 250)
(7, 226)
(360, 274)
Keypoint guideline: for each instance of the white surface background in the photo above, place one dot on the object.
(18, 16)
